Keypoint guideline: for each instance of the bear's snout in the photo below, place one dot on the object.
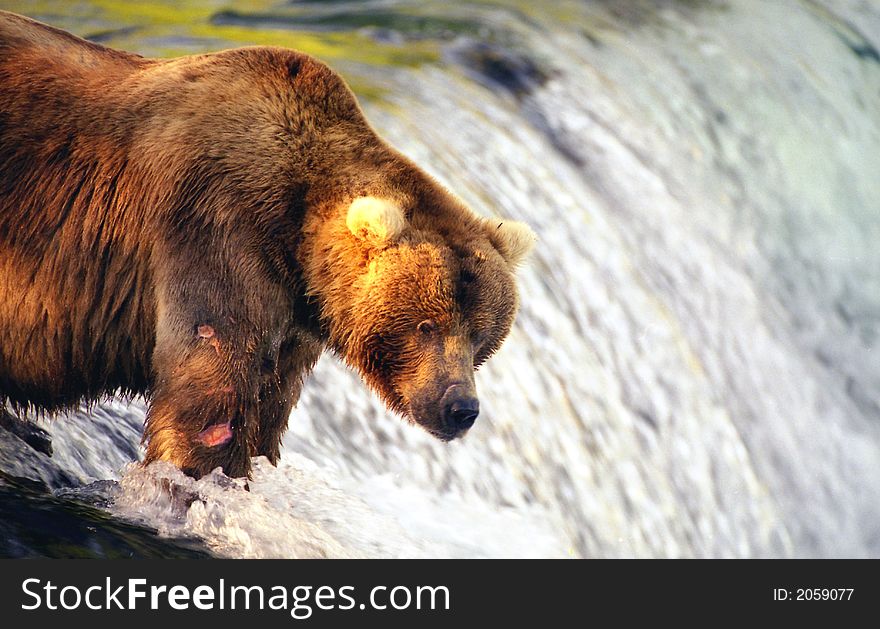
(461, 414)
(460, 410)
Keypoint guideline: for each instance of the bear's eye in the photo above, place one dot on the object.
(427, 327)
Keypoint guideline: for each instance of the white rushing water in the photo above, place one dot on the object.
(694, 370)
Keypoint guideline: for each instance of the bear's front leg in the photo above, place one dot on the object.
(281, 385)
(204, 406)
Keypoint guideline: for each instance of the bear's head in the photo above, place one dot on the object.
(435, 298)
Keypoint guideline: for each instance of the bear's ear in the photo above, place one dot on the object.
(513, 240)
(374, 220)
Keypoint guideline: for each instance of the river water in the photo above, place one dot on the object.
(695, 369)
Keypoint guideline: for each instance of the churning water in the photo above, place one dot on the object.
(695, 368)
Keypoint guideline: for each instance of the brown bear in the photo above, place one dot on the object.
(199, 230)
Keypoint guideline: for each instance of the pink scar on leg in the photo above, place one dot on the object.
(206, 331)
(215, 435)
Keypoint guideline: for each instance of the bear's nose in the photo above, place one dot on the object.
(462, 413)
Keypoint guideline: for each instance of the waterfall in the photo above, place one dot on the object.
(694, 371)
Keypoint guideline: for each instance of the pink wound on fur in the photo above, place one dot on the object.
(215, 435)
(206, 331)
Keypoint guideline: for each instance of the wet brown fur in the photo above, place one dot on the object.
(141, 199)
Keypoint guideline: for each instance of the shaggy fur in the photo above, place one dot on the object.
(179, 228)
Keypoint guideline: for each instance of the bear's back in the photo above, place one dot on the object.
(20, 35)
